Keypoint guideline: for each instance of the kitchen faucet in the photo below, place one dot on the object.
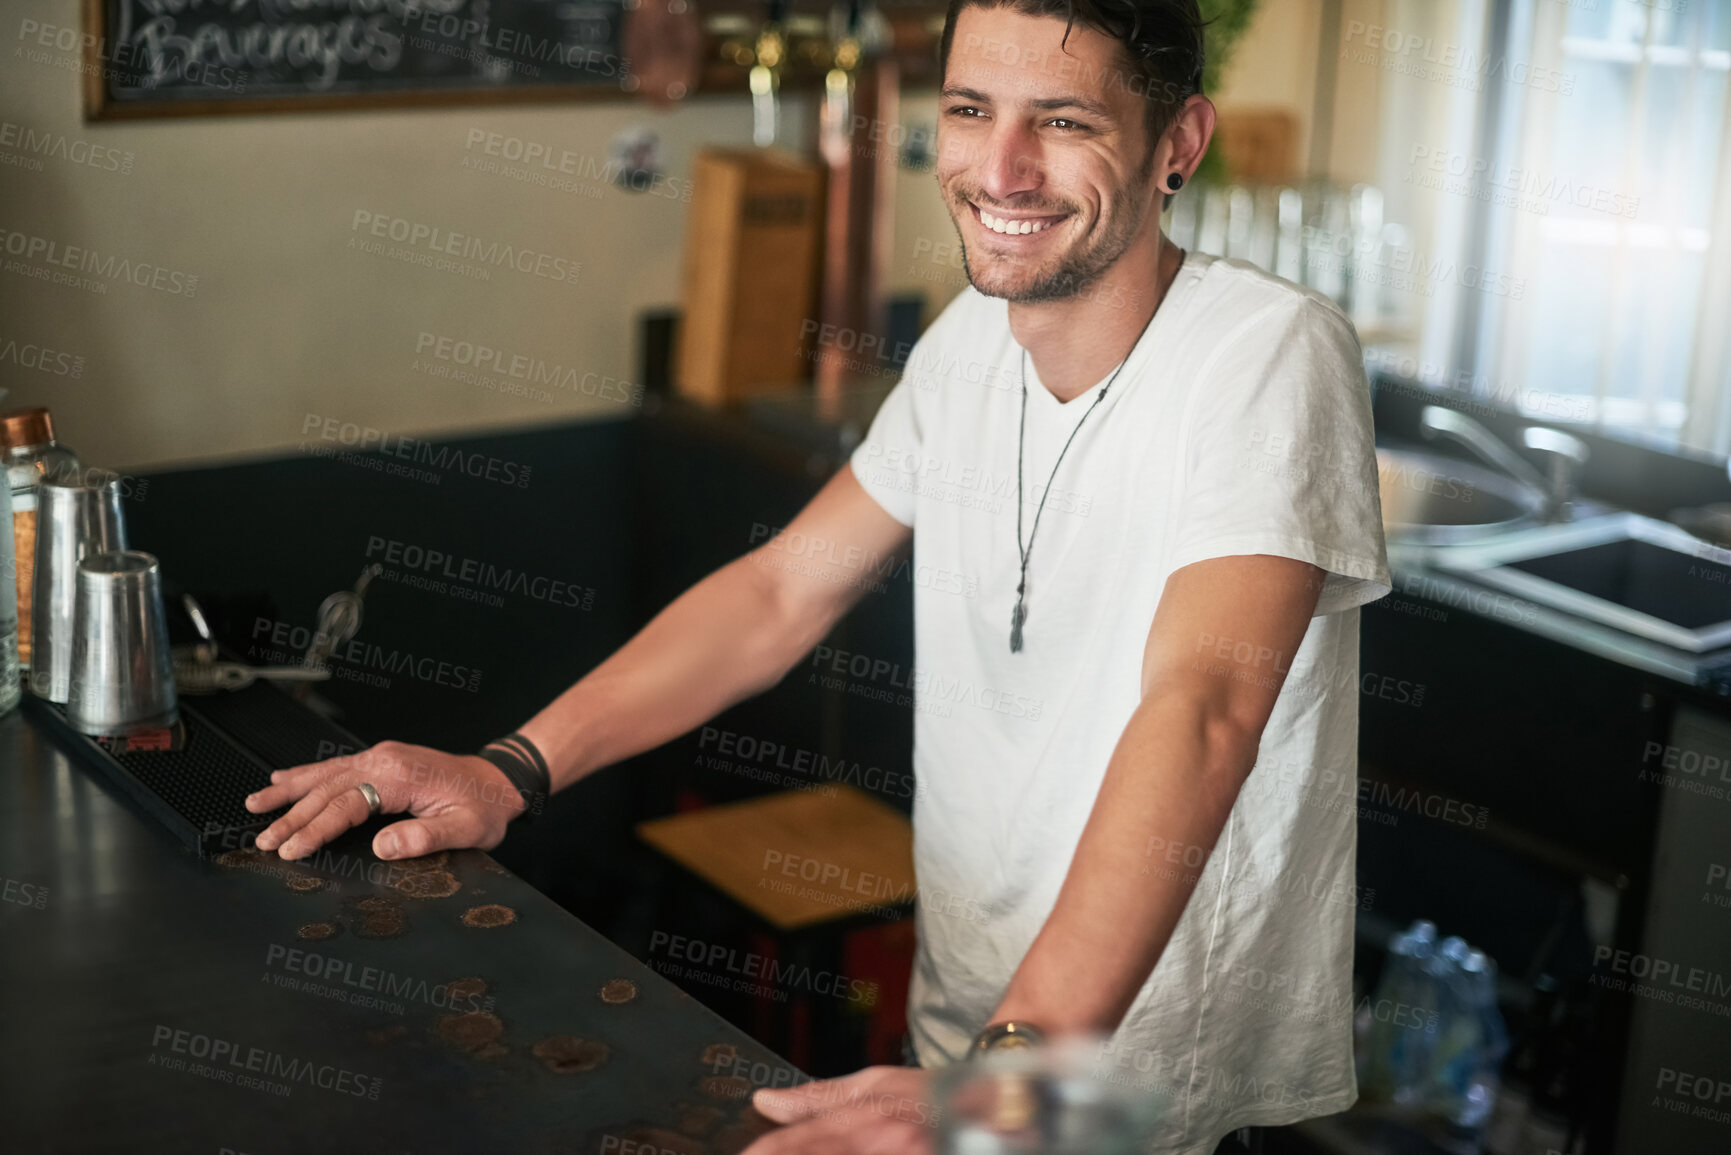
(1567, 455)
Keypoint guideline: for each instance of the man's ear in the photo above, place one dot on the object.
(1186, 140)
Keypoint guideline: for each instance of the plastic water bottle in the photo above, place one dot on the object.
(1414, 1037)
(1390, 1050)
(1454, 1048)
(11, 690)
(1480, 1097)
(1435, 1003)
(1466, 1069)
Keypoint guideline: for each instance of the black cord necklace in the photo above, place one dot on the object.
(1020, 613)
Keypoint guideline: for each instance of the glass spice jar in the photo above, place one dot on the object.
(30, 453)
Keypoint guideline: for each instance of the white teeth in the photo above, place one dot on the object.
(1010, 228)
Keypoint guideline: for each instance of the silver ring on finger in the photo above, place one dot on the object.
(372, 797)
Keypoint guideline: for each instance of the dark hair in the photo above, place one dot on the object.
(1161, 40)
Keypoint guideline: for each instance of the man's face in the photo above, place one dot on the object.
(1043, 154)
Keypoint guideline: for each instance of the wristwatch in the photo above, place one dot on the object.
(1012, 1035)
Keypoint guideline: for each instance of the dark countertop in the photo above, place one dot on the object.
(114, 940)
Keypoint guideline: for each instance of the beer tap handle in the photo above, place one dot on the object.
(768, 57)
(836, 121)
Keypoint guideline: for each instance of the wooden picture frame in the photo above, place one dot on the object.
(717, 69)
(101, 47)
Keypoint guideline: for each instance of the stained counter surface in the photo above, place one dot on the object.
(153, 1001)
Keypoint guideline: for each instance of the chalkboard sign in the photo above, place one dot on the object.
(168, 57)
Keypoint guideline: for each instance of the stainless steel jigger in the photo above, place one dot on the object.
(74, 518)
(122, 668)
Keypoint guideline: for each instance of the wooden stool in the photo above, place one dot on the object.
(812, 864)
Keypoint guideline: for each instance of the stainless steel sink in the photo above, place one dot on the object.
(1639, 575)
(1429, 499)
(1510, 528)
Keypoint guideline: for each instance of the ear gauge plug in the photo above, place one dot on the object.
(1175, 181)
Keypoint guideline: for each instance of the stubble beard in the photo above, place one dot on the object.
(1077, 271)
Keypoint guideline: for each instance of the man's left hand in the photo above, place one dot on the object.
(877, 1111)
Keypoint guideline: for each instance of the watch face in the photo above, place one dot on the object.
(1011, 1043)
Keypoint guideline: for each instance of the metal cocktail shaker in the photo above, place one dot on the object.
(122, 668)
(75, 518)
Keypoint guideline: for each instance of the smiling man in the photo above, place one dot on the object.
(1159, 824)
(1136, 746)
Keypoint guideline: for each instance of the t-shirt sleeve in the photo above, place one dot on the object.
(884, 463)
(1280, 454)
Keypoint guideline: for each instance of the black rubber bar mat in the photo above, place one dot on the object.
(223, 749)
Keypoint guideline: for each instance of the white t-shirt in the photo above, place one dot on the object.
(1240, 425)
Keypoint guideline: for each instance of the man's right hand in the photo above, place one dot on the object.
(734, 634)
(456, 801)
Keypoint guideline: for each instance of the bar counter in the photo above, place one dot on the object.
(154, 1001)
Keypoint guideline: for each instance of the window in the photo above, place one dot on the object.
(1549, 226)
(1592, 187)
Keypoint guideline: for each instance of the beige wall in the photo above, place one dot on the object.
(289, 320)
(1275, 65)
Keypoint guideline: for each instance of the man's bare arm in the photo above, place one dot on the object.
(1172, 780)
(733, 634)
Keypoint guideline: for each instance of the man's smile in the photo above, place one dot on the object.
(1014, 224)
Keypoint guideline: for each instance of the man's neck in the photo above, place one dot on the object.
(1074, 342)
